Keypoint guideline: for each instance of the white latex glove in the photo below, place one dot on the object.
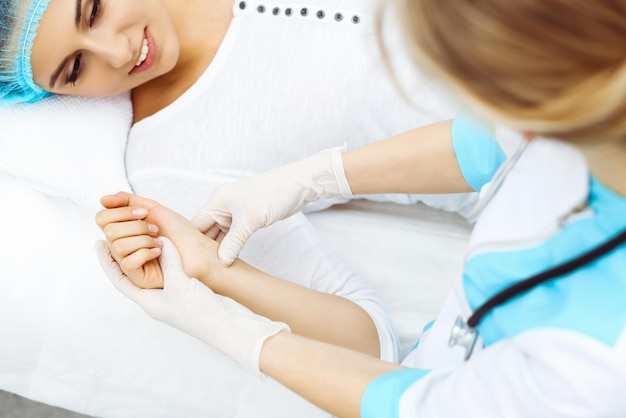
(187, 304)
(244, 207)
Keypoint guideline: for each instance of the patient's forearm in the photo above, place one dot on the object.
(418, 162)
(314, 314)
(317, 315)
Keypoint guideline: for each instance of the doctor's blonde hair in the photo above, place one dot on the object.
(556, 68)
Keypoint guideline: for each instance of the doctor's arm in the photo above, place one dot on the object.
(419, 161)
(328, 376)
(539, 374)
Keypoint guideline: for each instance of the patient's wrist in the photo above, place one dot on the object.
(202, 263)
(221, 278)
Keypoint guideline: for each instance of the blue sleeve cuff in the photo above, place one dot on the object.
(478, 153)
(382, 396)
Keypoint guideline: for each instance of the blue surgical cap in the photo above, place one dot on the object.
(19, 20)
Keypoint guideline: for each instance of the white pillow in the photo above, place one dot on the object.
(69, 147)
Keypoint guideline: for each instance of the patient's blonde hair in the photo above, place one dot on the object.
(556, 68)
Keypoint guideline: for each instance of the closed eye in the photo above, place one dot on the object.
(75, 70)
(95, 12)
(77, 67)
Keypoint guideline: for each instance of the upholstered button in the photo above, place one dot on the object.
(338, 17)
(260, 8)
(242, 5)
(288, 11)
(356, 19)
(320, 14)
(304, 11)
(275, 11)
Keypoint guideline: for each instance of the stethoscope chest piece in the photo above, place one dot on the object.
(463, 335)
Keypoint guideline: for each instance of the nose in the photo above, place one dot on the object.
(113, 48)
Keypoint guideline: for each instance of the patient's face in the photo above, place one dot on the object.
(103, 47)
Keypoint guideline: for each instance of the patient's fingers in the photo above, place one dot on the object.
(117, 230)
(126, 213)
(136, 260)
(143, 269)
(112, 270)
(125, 246)
(126, 199)
(115, 200)
(130, 275)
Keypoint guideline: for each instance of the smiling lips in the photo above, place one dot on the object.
(147, 55)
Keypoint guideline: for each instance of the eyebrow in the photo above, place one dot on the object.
(57, 72)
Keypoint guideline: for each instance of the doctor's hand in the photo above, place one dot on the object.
(239, 209)
(187, 304)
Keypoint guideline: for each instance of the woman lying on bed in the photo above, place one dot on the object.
(223, 90)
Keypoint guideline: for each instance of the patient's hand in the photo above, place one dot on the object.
(133, 246)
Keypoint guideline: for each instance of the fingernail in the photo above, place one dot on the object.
(157, 241)
(140, 212)
(155, 250)
(153, 228)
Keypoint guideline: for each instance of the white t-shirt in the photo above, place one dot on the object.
(282, 88)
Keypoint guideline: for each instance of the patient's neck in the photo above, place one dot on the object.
(201, 26)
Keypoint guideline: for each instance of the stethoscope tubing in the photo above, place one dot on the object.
(547, 275)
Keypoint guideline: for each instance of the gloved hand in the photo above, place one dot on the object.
(244, 207)
(187, 304)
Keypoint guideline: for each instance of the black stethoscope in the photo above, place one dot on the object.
(464, 333)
